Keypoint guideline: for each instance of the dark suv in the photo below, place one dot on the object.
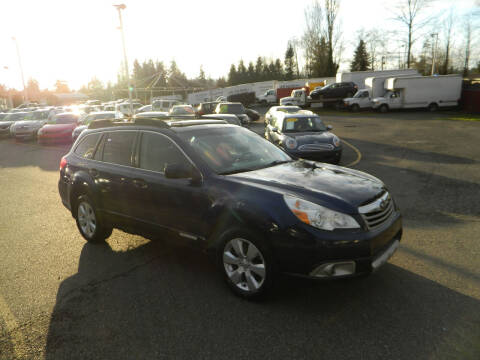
(231, 192)
(336, 90)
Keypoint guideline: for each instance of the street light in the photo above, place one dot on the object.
(25, 95)
(121, 7)
(434, 50)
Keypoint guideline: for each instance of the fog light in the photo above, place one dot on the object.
(334, 269)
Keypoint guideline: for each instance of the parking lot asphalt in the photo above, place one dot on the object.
(131, 298)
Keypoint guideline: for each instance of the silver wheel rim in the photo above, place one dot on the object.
(86, 219)
(244, 264)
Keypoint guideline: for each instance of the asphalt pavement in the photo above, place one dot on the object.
(131, 298)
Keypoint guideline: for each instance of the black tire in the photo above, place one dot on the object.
(432, 107)
(243, 288)
(263, 102)
(383, 108)
(355, 108)
(101, 231)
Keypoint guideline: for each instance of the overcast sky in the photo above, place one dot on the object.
(76, 40)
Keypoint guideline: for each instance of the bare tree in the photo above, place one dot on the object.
(408, 13)
(332, 33)
(312, 35)
(447, 32)
(468, 42)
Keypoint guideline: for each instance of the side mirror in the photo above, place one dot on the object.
(180, 171)
(329, 127)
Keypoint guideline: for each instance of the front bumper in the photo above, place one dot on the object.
(4, 132)
(333, 156)
(310, 252)
(24, 135)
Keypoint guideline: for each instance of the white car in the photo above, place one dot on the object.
(28, 128)
(287, 108)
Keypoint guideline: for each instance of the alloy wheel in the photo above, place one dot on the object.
(244, 264)
(87, 219)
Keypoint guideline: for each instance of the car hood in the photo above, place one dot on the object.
(330, 185)
(6, 123)
(312, 137)
(52, 128)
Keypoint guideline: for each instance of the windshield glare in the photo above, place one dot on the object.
(15, 116)
(230, 150)
(303, 124)
(232, 109)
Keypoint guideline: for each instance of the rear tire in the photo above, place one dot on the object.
(383, 108)
(355, 107)
(246, 264)
(89, 222)
(432, 107)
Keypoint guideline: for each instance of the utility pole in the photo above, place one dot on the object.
(10, 102)
(434, 50)
(25, 95)
(121, 7)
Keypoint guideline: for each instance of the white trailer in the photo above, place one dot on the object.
(374, 87)
(430, 92)
(358, 77)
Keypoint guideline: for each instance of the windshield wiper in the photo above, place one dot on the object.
(273, 163)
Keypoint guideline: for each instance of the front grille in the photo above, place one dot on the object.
(315, 147)
(378, 212)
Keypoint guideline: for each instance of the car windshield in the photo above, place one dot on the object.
(229, 150)
(65, 119)
(359, 94)
(16, 116)
(231, 109)
(325, 87)
(303, 124)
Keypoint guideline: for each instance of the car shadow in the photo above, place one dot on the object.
(14, 153)
(164, 301)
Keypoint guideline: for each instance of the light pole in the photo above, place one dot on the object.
(121, 7)
(25, 95)
(10, 102)
(434, 50)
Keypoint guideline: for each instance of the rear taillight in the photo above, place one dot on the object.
(63, 163)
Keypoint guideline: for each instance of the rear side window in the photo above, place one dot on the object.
(118, 147)
(156, 151)
(86, 148)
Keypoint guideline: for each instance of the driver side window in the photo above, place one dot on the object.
(156, 151)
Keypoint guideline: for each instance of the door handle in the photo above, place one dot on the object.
(93, 172)
(140, 183)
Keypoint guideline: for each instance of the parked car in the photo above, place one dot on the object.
(164, 104)
(144, 108)
(258, 213)
(206, 108)
(304, 135)
(234, 108)
(28, 128)
(124, 108)
(182, 111)
(287, 109)
(59, 129)
(252, 114)
(229, 118)
(85, 121)
(8, 120)
(2, 115)
(335, 90)
(152, 115)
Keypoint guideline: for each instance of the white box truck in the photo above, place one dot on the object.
(430, 92)
(374, 88)
(358, 77)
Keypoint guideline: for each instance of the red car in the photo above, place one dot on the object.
(59, 129)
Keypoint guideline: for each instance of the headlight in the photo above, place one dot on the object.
(336, 141)
(290, 143)
(319, 216)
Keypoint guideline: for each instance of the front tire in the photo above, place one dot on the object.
(89, 223)
(432, 107)
(383, 108)
(246, 264)
(355, 108)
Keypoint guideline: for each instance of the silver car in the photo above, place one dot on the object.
(95, 116)
(28, 128)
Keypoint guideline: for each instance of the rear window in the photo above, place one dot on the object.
(118, 147)
(86, 148)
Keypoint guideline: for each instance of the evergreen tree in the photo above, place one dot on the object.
(221, 82)
(278, 70)
(259, 70)
(289, 62)
(232, 75)
(361, 59)
(251, 76)
(241, 73)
